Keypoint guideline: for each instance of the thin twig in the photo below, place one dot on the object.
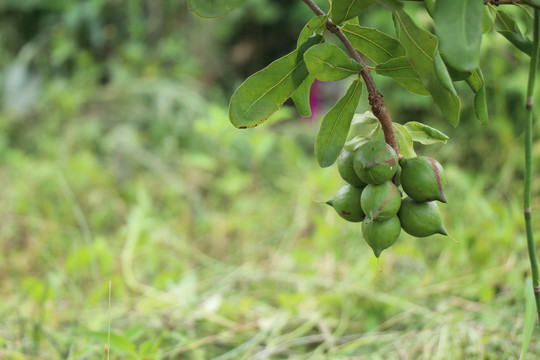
(375, 97)
(528, 160)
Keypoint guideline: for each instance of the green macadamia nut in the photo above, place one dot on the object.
(381, 202)
(423, 179)
(346, 169)
(347, 203)
(381, 235)
(420, 218)
(375, 162)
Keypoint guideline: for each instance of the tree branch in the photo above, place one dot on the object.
(375, 97)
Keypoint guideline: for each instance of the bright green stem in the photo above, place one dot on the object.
(528, 160)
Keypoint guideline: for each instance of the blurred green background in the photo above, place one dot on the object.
(129, 202)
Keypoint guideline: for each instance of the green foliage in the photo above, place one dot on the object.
(335, 126)
(373, 43)
(458, 25)
(347, 9)
(263, 93)
(327, 62)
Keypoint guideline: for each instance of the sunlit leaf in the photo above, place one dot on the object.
(405, 140)
(347, 9)
(314, 26)
(265, 91)
(458, 25)
(327, 62)
(373, 43)
(301, 97)
(117, 342)
(424, 134)
(403, 73)
(335, 126)
(213, 8)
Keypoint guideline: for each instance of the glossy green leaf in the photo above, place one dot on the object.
(373, 43)
(529, 319)
(335, 126)
(301, 97)
(405, 141)
(265, 91)
(213, 8)
(424, 134)
(420, 46)
(477, 84)
(314, 26)
(403, 73)
(533, 3)
(327, 62)
(507, 27)
(442, 73)
(347, 9)
(430, 6)
(458, 25)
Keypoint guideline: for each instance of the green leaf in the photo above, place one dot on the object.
(376, 45)
(118, 342)
(213, 8)
(347, 9)
(425, 135)
(448, 103)
(477, 85)
(507, 27)
(458, 25)
(314, 26)
(327, 62)
(405, 141)
(301, 97)
(487, 20)
(420, 46)
(530, 315)
(392, 4)
(442, 73)
(265, 91)
(403, 73)
(335, 126)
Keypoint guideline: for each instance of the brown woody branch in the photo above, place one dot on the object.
(375, 97)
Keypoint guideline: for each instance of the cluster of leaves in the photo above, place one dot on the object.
(423, 63)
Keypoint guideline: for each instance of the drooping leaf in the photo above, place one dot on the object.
(448, 103)
(405, 140)
(424, 134)
(403, 73)
(314, 26)
(458, 25)
(265, 91)
(478, 86)
(373, 43)
(430, 6)
(507, 27)
(335, 126)
(347, 9)
(213, 8)
(301, 97)
(420, 46)
(442, 73)
(327, 62)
